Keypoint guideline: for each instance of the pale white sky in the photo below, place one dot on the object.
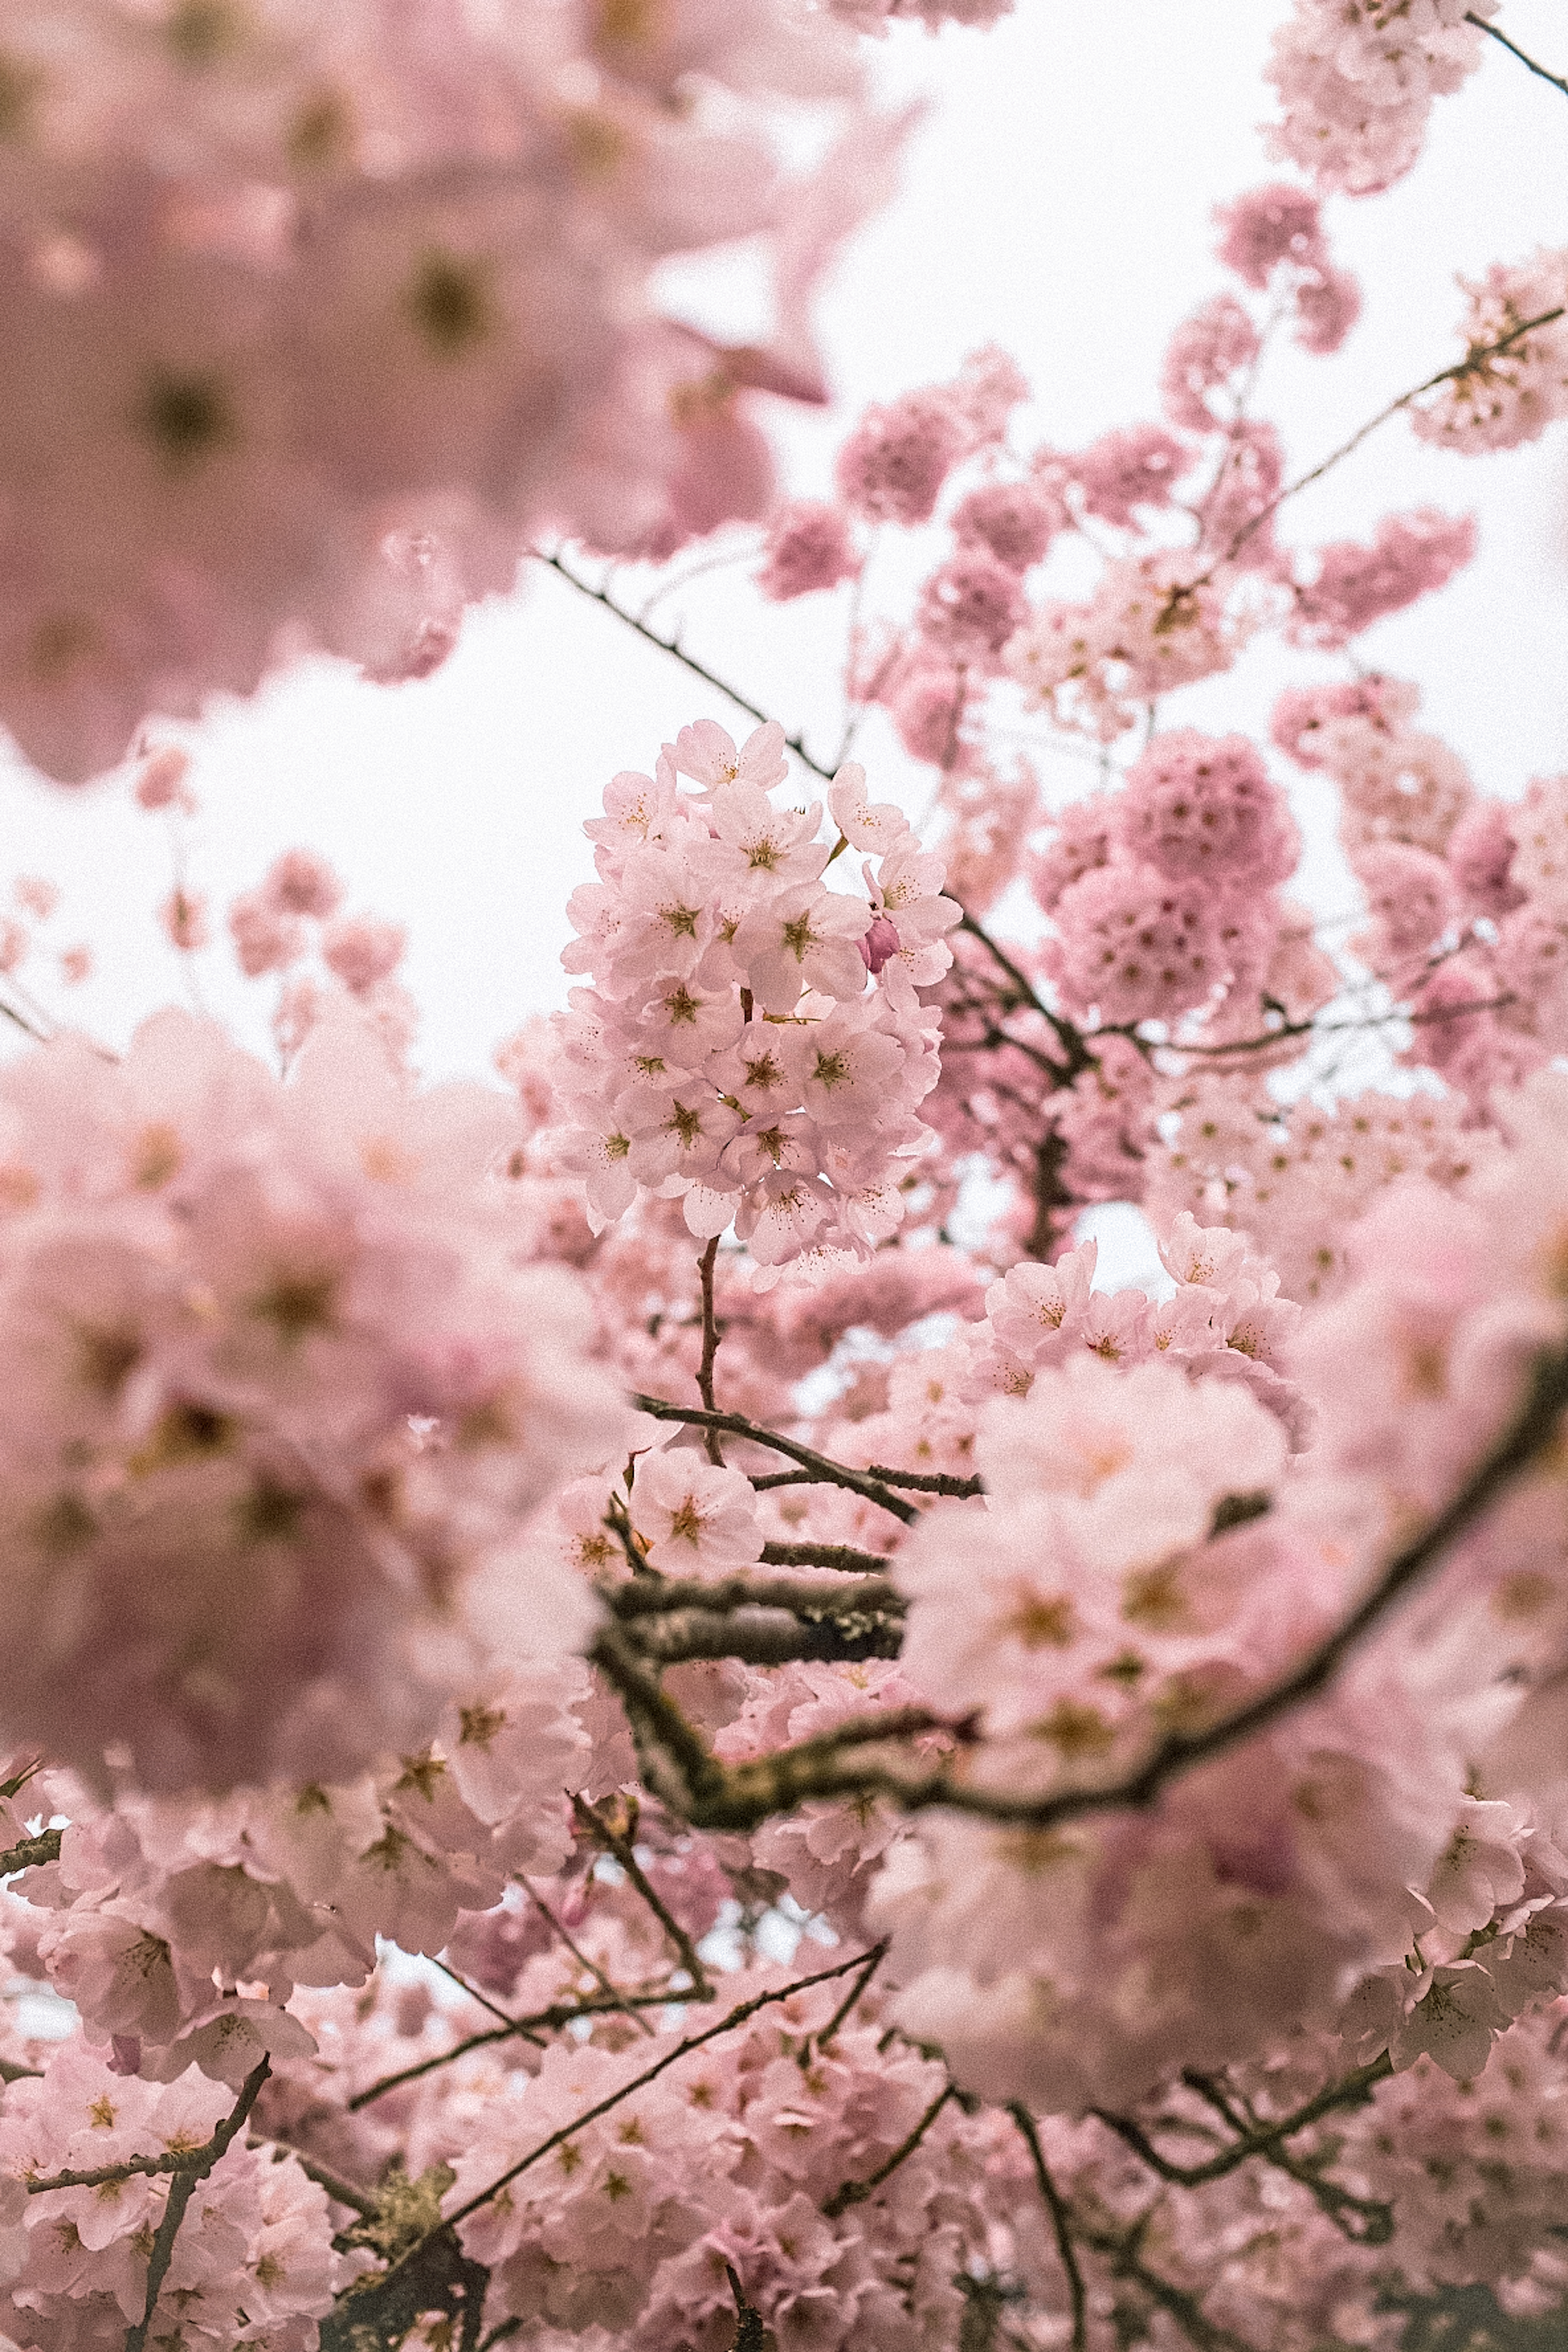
(1057, 201)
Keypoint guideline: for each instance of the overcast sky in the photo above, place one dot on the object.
(1058, 201)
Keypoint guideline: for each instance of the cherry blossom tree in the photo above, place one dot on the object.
(633, 1710)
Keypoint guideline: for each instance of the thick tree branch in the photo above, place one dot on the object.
(1352, 2091)
(30, 1852)
(739, 1797)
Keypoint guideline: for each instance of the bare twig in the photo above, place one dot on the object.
(563, 2013)
(1061, 2214)
(621, 1849)
(856, 1993)
(611, 1992)
(1477, 356)
(855, 2192)
(677, 652)
(1352, 2091)
(743, 2011)
(484, 2002)
(1493, 32)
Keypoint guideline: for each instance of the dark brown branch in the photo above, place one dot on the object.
(1558, 81)
(198, 2161)
(855, 2192)
(1061, 2214)
(194, 2169)
(644, 1596)
(734, 1424)
(841, 1556)
(765, 1637)
(1353, 2090)
(30, 1852)
(740, 1797)
(1067, 1036)
(750, 2335)
(931, 1482)
(1365, 2220)
(341, 2192)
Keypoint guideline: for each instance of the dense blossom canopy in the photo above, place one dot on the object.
(636, 1706)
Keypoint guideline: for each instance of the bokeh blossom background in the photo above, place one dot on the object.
(1057, 198)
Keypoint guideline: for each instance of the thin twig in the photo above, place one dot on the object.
(1474, 358)
(855, 2192)
(610, 1991)
(1061, 2214)
(565, 2012)
(710, 1350)
(677, 652)
(1558, 81)
(195, 2167)
(593, 1821)
(738, 2016)
(341, 2192)
(1352, 2091)
(485, 2003)
(851, 1999)
(734, 1424)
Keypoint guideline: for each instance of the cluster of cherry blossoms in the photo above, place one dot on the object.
(279, 1392)
(1356, 79)
(755, 1043)
(315, 314)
